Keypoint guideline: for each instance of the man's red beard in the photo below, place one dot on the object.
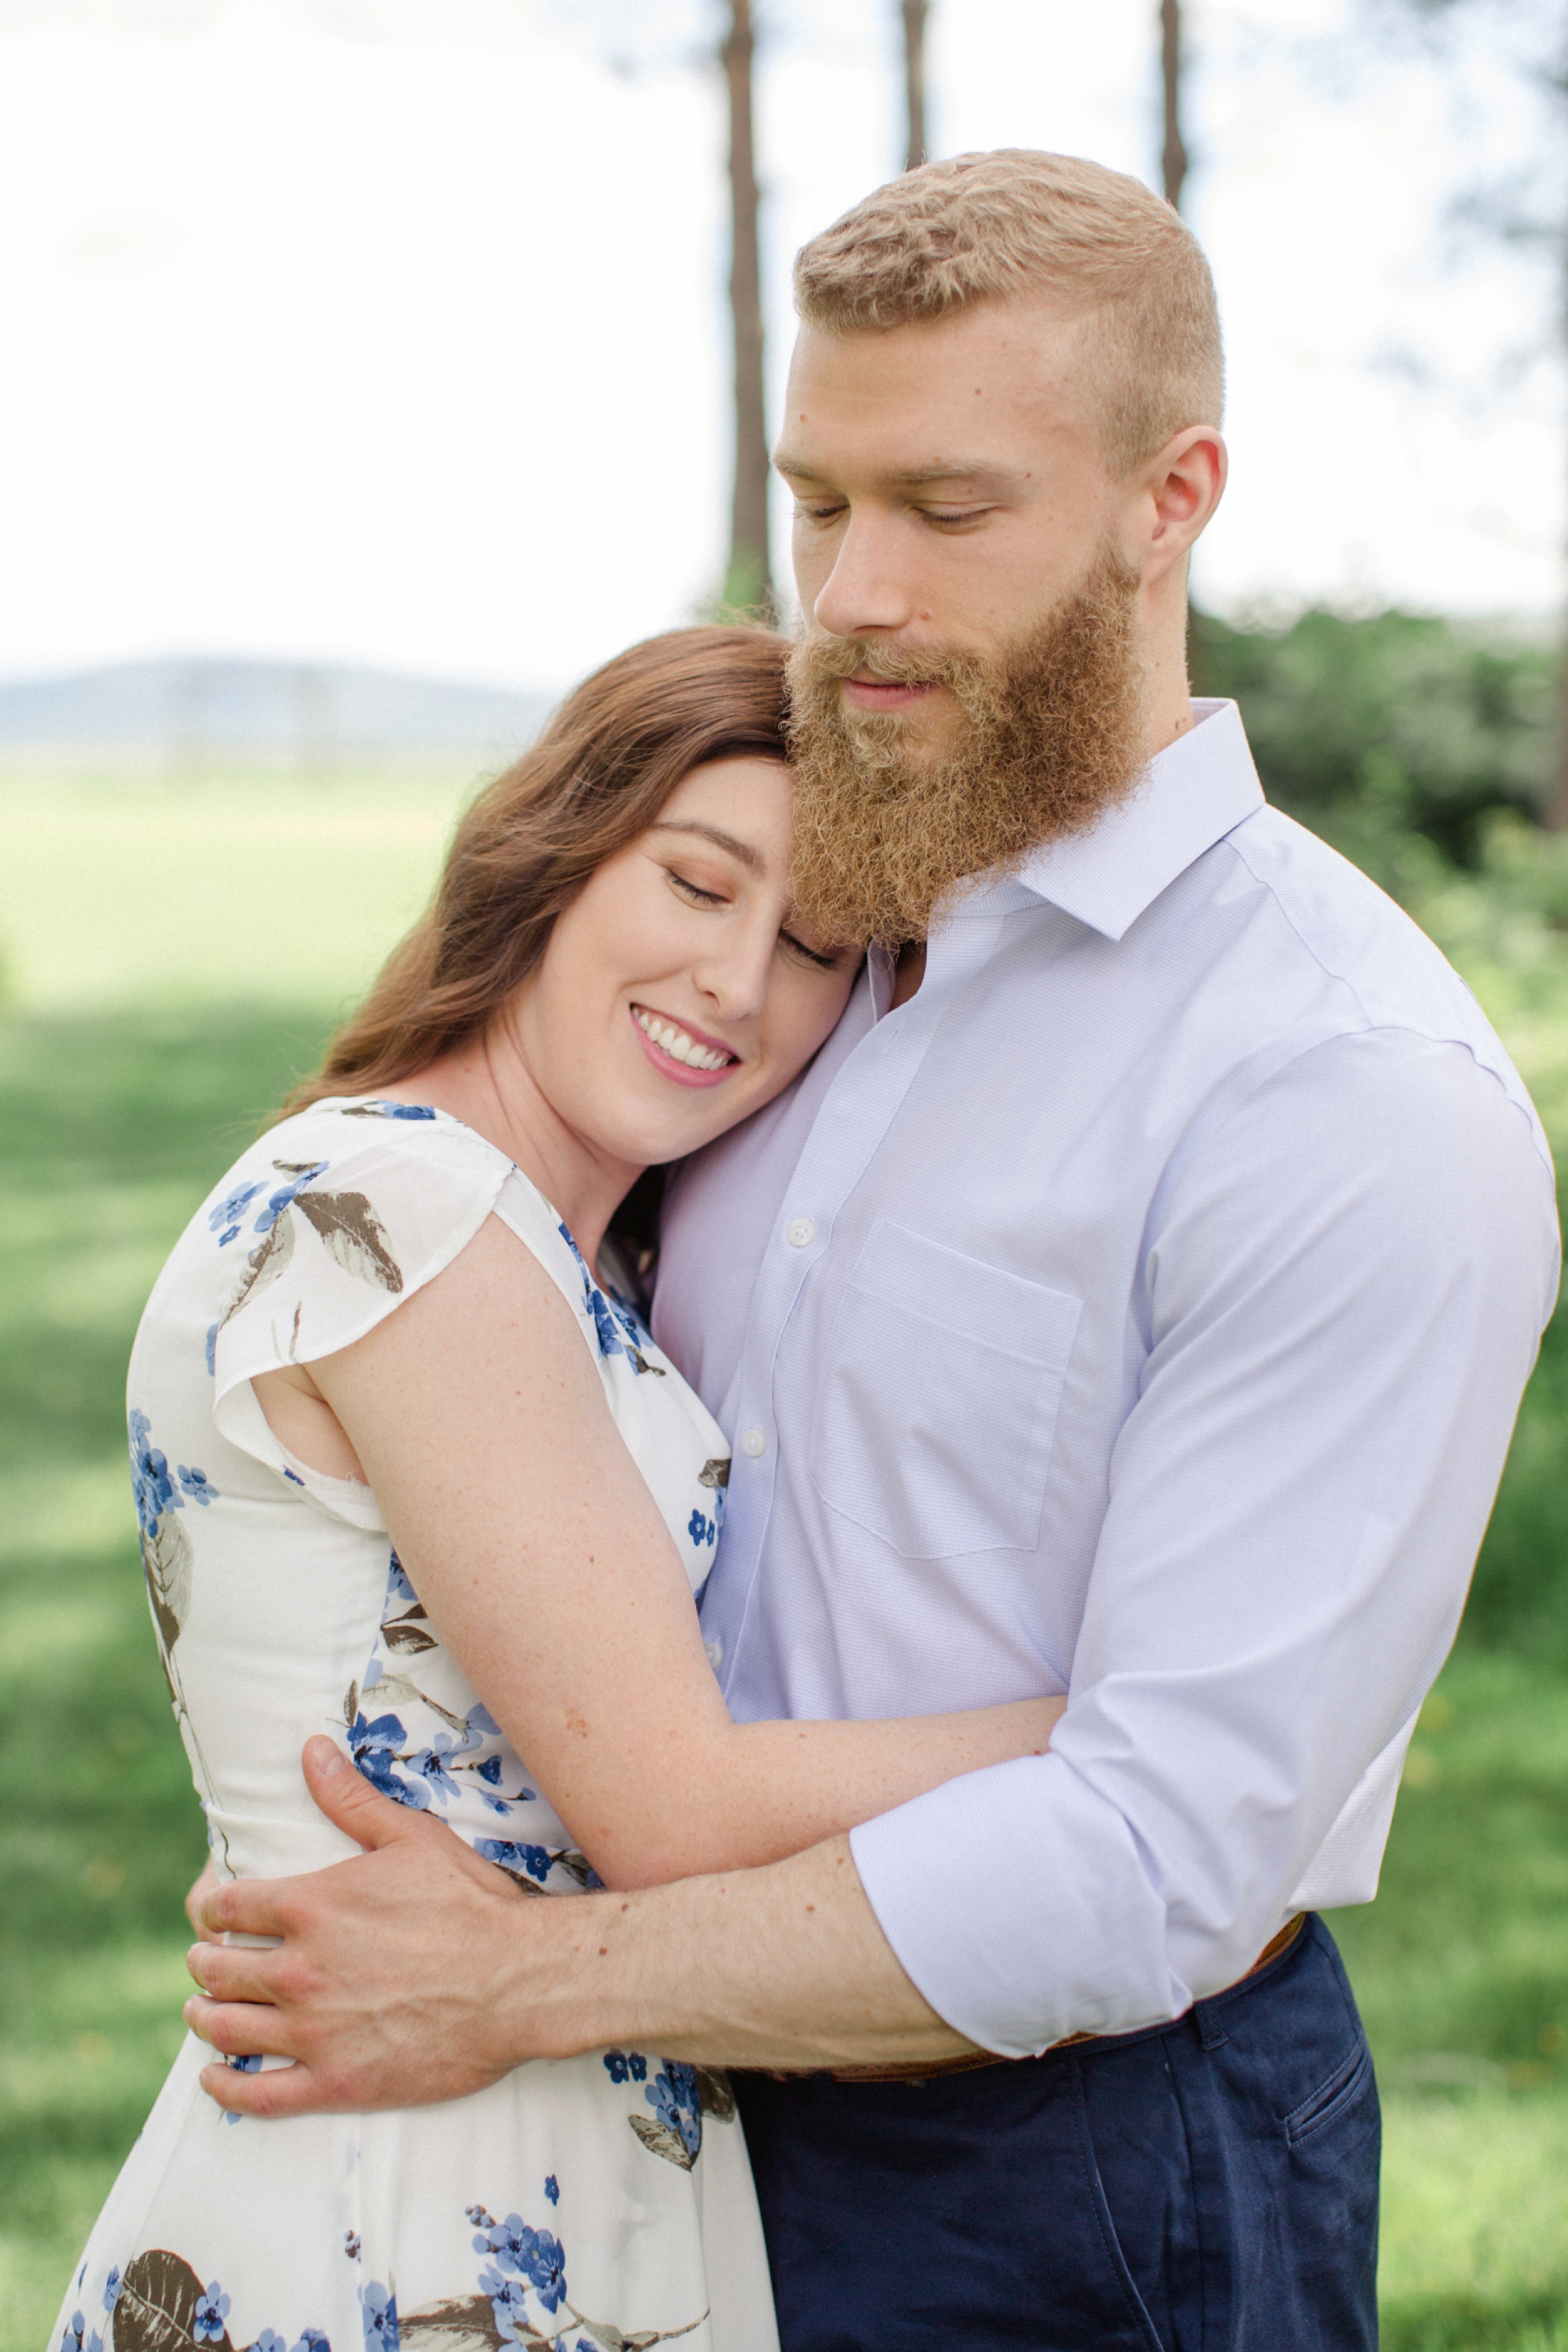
(1048, 734)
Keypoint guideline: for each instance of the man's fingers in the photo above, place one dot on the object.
(234, 1971)
(348, 1802)
(199, 1893)
(239, 2029)
(281, 2091)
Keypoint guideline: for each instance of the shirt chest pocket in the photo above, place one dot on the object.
(934, 1422)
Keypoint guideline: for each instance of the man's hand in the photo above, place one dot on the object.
(415, 1972)
(204, 1887)
(386, 1987)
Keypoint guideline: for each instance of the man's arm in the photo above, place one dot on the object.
(418, 1973)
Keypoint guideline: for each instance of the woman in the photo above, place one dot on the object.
(406, 1463)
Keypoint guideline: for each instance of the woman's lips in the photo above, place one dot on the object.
(686, 1040)
(875, 694)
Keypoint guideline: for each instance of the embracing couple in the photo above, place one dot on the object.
(1069, 1352)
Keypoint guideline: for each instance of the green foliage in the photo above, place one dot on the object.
(1374, 731)
(111, 1131)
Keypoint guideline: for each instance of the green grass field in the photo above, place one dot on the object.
(178, 951)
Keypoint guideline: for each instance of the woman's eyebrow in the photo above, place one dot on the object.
(740, 851)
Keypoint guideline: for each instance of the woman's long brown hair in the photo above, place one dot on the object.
(598, 777)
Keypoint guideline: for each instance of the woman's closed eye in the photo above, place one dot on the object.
(694, 891)
(820, 961)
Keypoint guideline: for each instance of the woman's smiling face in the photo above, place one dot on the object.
(675, 994)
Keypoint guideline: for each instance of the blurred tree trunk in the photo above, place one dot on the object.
(1173, 157)
(1555, 815)
(915, 13)
(748, 584)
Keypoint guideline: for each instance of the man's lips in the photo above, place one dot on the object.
(876, 694)
(658, 1033)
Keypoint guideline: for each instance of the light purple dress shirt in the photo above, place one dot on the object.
(1141, 1312)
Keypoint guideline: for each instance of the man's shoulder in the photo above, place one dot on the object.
(1388, 975)
(1337, 918)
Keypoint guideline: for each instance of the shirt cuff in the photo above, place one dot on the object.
(1054, 1927)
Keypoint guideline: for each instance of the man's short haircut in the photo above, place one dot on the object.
(988, 227)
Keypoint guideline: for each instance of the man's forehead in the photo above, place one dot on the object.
(935, 401)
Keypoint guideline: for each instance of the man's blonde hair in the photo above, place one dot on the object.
(988, 227)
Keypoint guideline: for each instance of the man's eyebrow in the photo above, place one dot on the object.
(740, 851)
(942, 469)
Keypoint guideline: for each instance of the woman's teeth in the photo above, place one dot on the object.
(677, 1045)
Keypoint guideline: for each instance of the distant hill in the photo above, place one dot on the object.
(304, 711)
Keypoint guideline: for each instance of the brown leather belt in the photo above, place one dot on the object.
(925, 2070)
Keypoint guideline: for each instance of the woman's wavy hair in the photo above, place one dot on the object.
(598, 776)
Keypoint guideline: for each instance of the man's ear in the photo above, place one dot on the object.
(1179, 492)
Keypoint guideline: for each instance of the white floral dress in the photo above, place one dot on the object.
(589, 2204)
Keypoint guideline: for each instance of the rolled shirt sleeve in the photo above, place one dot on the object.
(1340, 1295)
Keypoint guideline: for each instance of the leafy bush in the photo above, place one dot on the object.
(1374, 730)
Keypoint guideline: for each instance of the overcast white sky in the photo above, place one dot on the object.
(393, 330)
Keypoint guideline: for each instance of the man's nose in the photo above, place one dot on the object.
(864, 591)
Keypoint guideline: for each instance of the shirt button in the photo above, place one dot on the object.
(713, 1652)
(754, 1442)
(802, 1232)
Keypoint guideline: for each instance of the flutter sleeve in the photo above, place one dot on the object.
(334, 1219)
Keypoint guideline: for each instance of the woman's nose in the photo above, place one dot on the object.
(734, 976)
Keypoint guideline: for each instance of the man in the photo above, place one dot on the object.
(1133, 1299)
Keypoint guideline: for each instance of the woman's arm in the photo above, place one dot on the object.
(480, 1421)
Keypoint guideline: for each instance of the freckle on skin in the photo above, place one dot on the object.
(604, 1950)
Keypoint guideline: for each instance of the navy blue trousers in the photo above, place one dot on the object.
(1208, 2186)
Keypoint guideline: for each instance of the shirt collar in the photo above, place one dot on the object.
(1191, 796)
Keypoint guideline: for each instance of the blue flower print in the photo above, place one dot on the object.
(229, 1212)
(531, 2254)
(618, 1331)
(271, 2341)
(375, 1746)
(286, 1193)
(111, 2286)
(531, 1859)
(404, 1110)
(154, 1490)
(213, 1329)
(197, 1485)
(702, 1529)
(312, 2340)
(212, 2310)
(430, 1765)
(379, 2313)
(398, 1589)
(674, 2097)
(546, 2267)
(508, 2301)
(553, 2189)
(625, 2064)
(76, 2339)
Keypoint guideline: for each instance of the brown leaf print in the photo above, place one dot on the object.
(716, 2098)
(355, 1236)
(166, 1563)
(156, 2310)
(463, 2323)
(266, 1262)
(716, 1473)
(406, 1639)
(659, 2140)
